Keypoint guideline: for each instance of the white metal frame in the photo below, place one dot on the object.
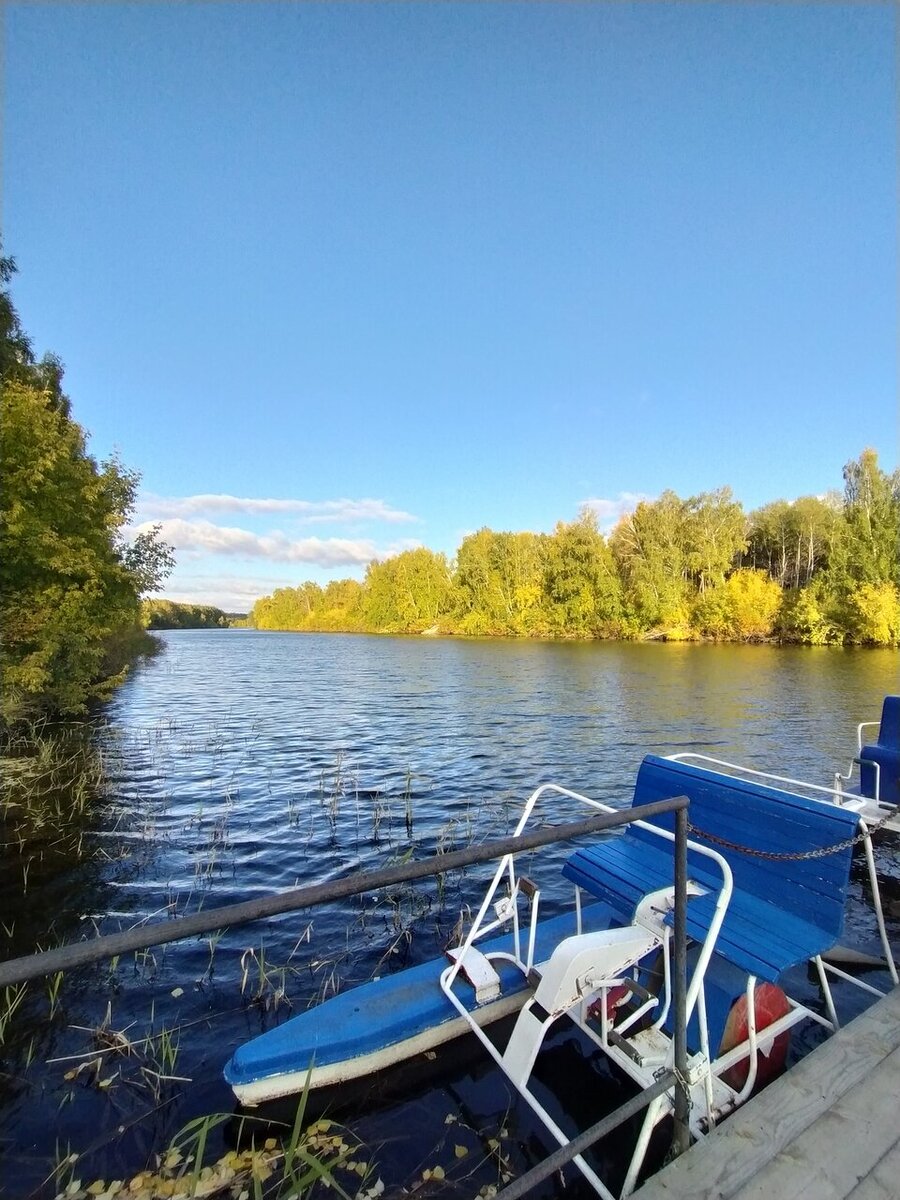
(840, 780)
(649, 1049)
(874, 808)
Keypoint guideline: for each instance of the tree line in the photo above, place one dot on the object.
(817, 571)
(70, 582)
(171, 614)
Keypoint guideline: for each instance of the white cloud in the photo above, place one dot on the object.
(610, 512)
(154, 508)
(233, 593)
(204, 537)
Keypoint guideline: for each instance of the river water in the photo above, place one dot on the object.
(238, 763)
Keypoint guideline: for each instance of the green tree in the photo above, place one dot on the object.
(793, 541)
(289, 608)
(167, 614)
(582, 587)
(816, 529)
(864, 555)
(477, 602)
(804, 616)
(650, 549)
(69, 617)
(714, 536)
(68, 595)
(16, 355)
(870, 548)
(407, 593)
(500, 583)
(17, 361)
(341, 605)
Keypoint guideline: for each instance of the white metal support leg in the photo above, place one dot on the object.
(826, 990)
(655, 1110)
(879, 913)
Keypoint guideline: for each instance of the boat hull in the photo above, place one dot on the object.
(383, 1023)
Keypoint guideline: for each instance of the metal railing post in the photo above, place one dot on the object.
(682, 1135)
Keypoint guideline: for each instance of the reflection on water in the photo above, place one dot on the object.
(239, 763)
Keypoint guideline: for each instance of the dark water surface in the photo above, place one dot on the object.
(239, 763)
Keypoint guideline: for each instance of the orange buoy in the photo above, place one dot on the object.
(770, 1003)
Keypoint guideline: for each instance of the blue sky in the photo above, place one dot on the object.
(343, 278)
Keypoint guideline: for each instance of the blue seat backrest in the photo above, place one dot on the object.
(760, 818)
(886, 752)
(889, 730)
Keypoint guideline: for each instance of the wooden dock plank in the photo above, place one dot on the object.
(847, 1087)
(883, 1181)
(841, 1147)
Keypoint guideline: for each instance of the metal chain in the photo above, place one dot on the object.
(821, 852)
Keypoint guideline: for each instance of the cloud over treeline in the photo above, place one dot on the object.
(234, 593)
(154, 508)
(610, 511)
(208, 538)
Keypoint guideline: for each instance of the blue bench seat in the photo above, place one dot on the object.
(782, 912)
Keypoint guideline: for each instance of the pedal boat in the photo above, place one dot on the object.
(768, 875)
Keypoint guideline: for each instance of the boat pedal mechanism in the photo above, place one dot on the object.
(479, 972)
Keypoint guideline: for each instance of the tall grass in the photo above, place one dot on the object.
(282, 1167)
(49, 775)
(50, 797)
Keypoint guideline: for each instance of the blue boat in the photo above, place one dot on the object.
(768, 875)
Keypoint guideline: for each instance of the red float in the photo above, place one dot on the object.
(771, 1003)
